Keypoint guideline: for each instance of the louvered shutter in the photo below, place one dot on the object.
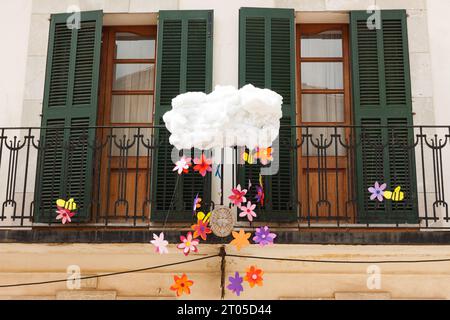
(383, 107)
(65, 161)
(184, 63)
(267, 60)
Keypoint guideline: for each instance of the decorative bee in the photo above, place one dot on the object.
(68, 205)
(397, 195)
(203, 217)
(248, 157)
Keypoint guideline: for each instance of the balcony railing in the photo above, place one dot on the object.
(122, 177)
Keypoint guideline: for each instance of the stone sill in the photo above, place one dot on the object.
(344, 237)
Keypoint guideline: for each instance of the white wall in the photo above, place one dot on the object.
(439, 28)
(15, 26)
(439, 40)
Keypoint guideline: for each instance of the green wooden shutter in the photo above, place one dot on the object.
(70, 100)
(267, 60)
(184, 63)
(383, 107)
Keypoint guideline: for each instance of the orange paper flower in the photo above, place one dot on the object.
(240, 239)
(201, 229)
(264, 155)
(181, 285)
(254, 276)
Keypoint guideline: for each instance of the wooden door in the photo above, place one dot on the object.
(324, 111)
(126, 111)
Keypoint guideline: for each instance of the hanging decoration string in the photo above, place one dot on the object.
(223, 254)
(109, 274)
(172, 203)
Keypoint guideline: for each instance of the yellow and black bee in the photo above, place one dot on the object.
(203, 217)
(397, 195)
(68, 205)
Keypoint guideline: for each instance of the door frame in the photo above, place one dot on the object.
(104, 166)
(311, 162)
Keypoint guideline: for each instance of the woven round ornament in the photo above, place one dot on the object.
(222, 221)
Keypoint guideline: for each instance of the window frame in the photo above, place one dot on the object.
(313, 28)
(107, 73)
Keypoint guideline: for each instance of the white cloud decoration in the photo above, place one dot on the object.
(226, 117)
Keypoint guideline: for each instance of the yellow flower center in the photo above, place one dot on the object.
(188, 243)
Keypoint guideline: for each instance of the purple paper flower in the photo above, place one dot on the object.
(236, 284)
(197, 204)
(260, 195)
(377, 191)
(263, 236)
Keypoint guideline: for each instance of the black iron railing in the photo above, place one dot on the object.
(318, 178)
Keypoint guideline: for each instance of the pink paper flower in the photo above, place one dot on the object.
(238, 196)
(202, 165)
(188, 244)
(64, 215)
(248, 211)
(182, 165)
(160, 243)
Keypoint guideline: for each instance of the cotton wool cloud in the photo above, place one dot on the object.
(226, 117)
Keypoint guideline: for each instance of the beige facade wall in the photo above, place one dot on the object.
(282, 280)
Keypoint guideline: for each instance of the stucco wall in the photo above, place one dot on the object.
(225, 70)
(15, 19)
(439, 31)
(282, 280)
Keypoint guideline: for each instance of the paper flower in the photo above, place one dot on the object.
(248, 211)
(201, 229)
(197, 203)
(238, 196)
(188, 244)
(202, 165)
(254, 276)
(236, 284)
(260, 195)
(160, 243)
(264, 155)
(182, 165)
(263, 236)
(64, 215)
(240, 239)
(377, 191)
(181, 285)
